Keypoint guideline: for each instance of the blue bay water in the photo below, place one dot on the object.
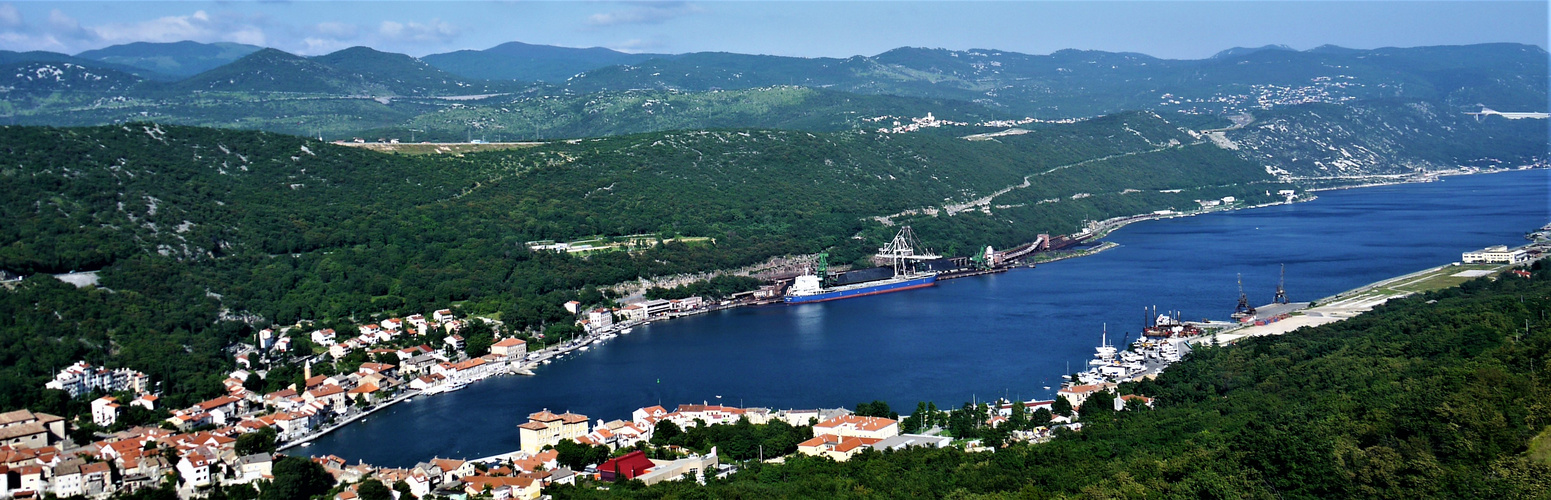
(1009, 334)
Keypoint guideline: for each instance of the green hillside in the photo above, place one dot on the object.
(524, 62)
(1320, 115)
(403, 75)
(176, 60)
(284, 228)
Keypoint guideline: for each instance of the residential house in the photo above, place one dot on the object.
(1120, 402)
(96, 479)
(194, 468)
(502, 488)
(858, 426)
(383, 368)
(266, 338)
(708, 413)
(442, 316)
(147, 401)
(324, 337)
(67, 478)
(221, 409)
(30, 478)
(105, 411)
(331, 395)
(837, 448)
(420, 363)
(648, 416)
(418, 321)
(1077, 394)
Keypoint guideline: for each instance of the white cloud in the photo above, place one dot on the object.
(63, 26)
(335, 30)
(637, 45)
(433, 31)
(650, 13)
(9, 16)
(23, 42)
(199, 26)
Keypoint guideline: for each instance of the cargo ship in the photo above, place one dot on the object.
(808, 287)
(818, 285)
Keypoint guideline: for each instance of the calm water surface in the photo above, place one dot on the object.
(1008, 334)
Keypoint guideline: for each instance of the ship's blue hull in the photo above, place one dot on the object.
(882, 287)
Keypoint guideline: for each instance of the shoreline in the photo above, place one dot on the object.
(529, 364)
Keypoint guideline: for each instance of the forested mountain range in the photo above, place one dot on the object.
(532, 63)
(361, 92)
(174, 60)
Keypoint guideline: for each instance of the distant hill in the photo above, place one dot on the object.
(403, 74)
(45, 78)
(271, 70)
(1243, 51)
(1071, 83)
(361, 92)
(531, 63)
(10, 57)
(176, 59)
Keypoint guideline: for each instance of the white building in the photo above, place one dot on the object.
(324, 337)
(688, 303)
(105, 411)
(858, 426)
(82, 377)
(657, 307)
(600, 318)
(1499, 254)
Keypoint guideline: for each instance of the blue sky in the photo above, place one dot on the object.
(1182, 30)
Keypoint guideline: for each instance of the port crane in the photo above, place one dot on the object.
(1281, 290)
(1244, 310)
(901, 250)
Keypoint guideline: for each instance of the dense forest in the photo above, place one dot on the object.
(1440, 395)
(193, 229)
